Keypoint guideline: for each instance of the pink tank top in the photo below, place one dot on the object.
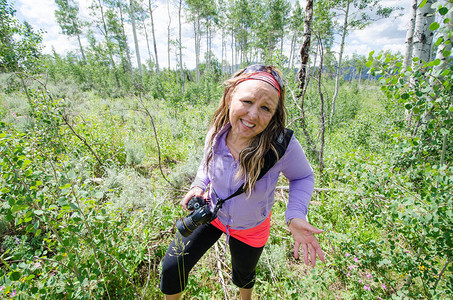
(256, 236)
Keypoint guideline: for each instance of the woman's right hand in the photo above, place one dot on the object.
(195, 191)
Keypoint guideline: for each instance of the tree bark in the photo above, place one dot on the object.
(81, 48)
(305, 49)
(423, 37)
(292, 51)
(124, 48)
(302, 74)
(147, 44)
(410, 37)
(169, 36)
(109, 46)
(340, 57)
(181, 65)
(150, 5)
(134, 32)
(197, 31)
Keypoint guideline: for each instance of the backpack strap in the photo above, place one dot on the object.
(270, 159)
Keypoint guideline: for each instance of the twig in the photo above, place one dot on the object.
(441, 273)
(149, 273)
(272, 273)
(124, 269)
(65, 118)
(219, 268)
(157, 140)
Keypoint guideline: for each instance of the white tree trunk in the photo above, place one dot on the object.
(181, 65)
(197, 31)
(169, 37)
(410, 37)
(423, 37)
(134, 32)
(154, 35)
(147, 43)
(340, 57)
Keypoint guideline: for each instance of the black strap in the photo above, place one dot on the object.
(270, 159)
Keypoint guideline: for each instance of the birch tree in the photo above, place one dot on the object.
(195, 8)
(134, 33)
(169, 41)
(115, 23)
(70, 24)
(98, 11)
(356, 14)
(410, 36)
(278, 19)
(296, 30)
(305, 49)
(20, 46)
(181, 64)
(423, 36)
(150, 7)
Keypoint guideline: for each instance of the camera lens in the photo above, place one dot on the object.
(186, 226)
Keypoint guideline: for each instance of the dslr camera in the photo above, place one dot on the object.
(201, 214)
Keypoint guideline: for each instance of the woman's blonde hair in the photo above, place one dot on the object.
(251, 158)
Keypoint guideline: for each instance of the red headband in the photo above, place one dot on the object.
(263, 76)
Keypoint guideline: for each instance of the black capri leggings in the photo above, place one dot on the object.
(184, 253)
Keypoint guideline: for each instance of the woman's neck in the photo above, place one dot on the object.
(235, 145)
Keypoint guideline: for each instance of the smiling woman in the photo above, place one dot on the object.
(252, 105)
(247, 128)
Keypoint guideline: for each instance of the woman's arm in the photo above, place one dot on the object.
(301, 180)
(301, 184)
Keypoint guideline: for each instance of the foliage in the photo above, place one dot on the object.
(20, 46)
(85, 212)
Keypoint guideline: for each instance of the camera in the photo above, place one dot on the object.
(201, 214)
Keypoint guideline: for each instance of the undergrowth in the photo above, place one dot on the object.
(87, 214)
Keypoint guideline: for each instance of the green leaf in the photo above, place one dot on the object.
(446, 53)
(66, 186)
(17, 208)
(99, 195)
(444, 131)
(38, 212)
(72, 175)
(405, 96)
(15, 276)
(26, 163)
(73, 206)
(434, 26)
(423, 3)
(4, 190)
(30, 277)
(443, 11)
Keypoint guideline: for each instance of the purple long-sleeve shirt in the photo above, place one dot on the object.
(242, 212)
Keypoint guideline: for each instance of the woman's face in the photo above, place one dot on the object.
(252, 105)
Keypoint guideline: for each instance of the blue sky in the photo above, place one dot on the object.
(388, 34)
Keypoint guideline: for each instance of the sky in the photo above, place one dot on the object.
(387, 34)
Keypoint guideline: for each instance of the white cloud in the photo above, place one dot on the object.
(387, 34)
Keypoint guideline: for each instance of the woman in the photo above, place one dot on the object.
(249, 120)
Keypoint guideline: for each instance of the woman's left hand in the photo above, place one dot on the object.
(303, 233)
